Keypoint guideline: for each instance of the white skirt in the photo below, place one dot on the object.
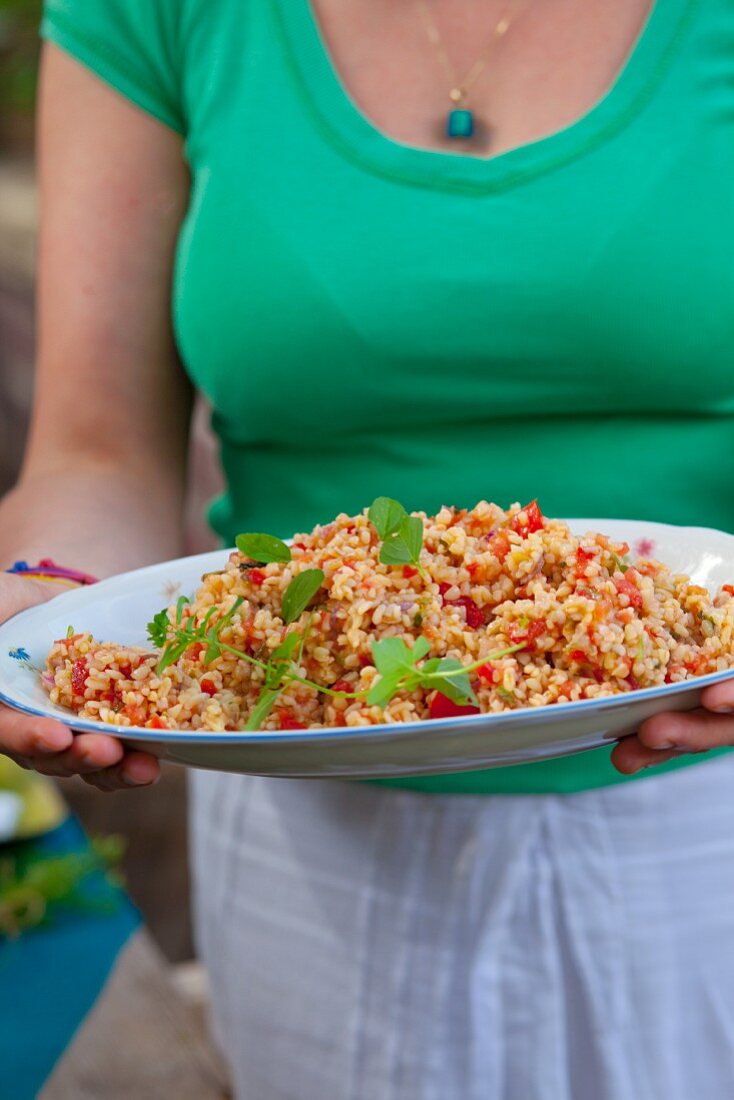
(374, 944)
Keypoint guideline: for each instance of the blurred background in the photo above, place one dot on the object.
(153, 822)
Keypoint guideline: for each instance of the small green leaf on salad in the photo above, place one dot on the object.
(386, 516)
(300, 592)
(263, 548)
(180, 605)
(158, 628)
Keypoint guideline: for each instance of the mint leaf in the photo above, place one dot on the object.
(386, 515)
(263, 548)
(299, 593)
(457, 685)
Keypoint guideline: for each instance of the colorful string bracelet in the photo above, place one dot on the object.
(48, 570)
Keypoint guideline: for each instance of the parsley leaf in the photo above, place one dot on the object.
(158, 629)
(263, 548)
(262, 708)
(299, 593)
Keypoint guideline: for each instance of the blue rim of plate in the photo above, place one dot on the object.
(530, 715)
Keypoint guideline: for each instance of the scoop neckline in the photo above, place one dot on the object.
(344, 124)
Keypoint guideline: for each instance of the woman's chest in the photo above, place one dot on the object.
(321, 276)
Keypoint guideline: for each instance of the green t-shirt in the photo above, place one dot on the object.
(369, 318)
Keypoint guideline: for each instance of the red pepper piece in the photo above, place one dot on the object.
(441, 706)
(208, 687)
(156, 723)
(500, 545)
(409, 571)
(341, 685)
(256, 576)
(490, 674)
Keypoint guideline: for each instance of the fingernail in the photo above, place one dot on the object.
(722, 710)
(131, 781)
(664, 746)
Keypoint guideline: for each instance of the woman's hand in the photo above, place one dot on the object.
(667, 735)
(48, 746)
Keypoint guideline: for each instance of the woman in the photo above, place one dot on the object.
(536, 301)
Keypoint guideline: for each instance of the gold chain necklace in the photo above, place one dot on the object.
(460, 120)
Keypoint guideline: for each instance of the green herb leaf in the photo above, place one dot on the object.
(386, 516)
(70, 632)
(262, 708)
(300, 592)
(404, 546)
(456, 685)
(384, 689)
(180, 605)
(173, 652)
(393, 655)
(263, 548)
(508, 696)
(158, 629)
(286, 649)
(620, 563)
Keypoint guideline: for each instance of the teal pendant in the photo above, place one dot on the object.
(460, 123)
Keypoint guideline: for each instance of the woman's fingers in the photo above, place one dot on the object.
(31, 737)
(136, 769)
(719, 698)
(664, 736)
(89, 752)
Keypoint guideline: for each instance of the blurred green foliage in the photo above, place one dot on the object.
(19, 46)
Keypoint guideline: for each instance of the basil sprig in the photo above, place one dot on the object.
(263, 548)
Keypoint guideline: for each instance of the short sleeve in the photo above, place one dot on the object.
(133, 45)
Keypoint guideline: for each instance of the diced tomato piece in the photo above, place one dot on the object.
(474, 568)
(443, 588)
(528, 520)
(300, 545)
(410, 571)
(341, 685)
(500, 544)
(474, 617)
(441, 706)
(728, 588)
(194, 651)
(633, 682)
(256, 576)
(365, 660)
(208, 687)
(490, 674)
(598, 675)
(79, 673)
(135, 713)
(288, 721)
(528, 634)
(628, 588)
(579, 655)
(584, 555)
(156, 723)
(566, 690)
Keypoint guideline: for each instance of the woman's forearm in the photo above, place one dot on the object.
(98, 516)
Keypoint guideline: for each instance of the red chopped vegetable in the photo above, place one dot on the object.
(633, 682)
(474, 617)
(528, 634)
(489, 673)
(79, 673)
(208, 686)
(579, 655)
(341, 685)
(527, 521)
(441, 706)
(256, 576)
(410, 571)
(288, 721)
(728, 588)
(299, 545)
(626, 587)
(156, 723)
(365, 660)
(443, 588)
(500, 544)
